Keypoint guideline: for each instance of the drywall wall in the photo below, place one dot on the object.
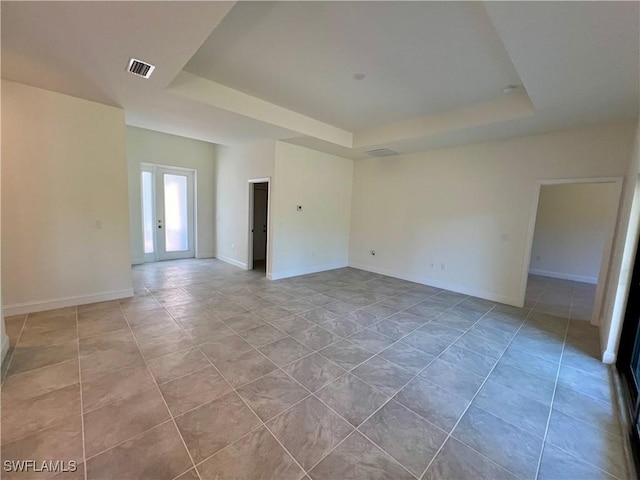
(458, 217)
(4, 338)
(624, 252)
(147, 146)
(235, 166)
(572, 226)
(65, 221)
(316, 237)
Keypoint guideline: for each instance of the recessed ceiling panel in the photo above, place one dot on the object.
(417, 58)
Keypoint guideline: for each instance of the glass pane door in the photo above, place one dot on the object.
(167, 213)
(176, 213)
(148, 232)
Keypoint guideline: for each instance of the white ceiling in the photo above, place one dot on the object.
(419, 58)
(283, 70)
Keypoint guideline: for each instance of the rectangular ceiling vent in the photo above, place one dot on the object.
(140, 68)
(382, 152)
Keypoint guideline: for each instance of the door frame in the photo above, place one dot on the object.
(192, 211)
(251, 183)
(608, 244)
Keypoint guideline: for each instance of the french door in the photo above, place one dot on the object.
(167, 213)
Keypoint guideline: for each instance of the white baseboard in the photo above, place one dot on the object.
(32, 307)
(563, 276)
(137, 261)
(306, 270)
(5, 346)
(608, 357)
(231, 261)
(205, 254)
(424, 280)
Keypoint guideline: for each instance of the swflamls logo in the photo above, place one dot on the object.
(53, 466)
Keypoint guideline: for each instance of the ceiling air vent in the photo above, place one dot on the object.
(140, 68)
(382, 152)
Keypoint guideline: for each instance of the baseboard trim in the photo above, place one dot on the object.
(32, 307)
(205, 254)
(563, 276)
(306, 271)
(608, 357)
(231, 261)
(439, 284)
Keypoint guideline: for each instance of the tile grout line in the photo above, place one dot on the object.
(262, 423)
(313, 394)
(195, 466)
(357, 428)
(84, 449)
(573, 456)
(122, 442)
(450, 433)
(316, 351)
(171, 417)
(553, 396)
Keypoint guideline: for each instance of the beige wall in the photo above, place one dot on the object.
(317, 237)
(147, 146)
(469, 207)
(234, 168)
(4, 338)
(624, 251)
(572, 225)
(65, 218)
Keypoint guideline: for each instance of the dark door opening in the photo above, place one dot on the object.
(259, 227)
(628, 362)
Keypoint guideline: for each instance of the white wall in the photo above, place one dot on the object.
(147, 146)
(572, 226)
(317, 237)
(468, 208)
(624, 252)
(64, 170)
(235, 166)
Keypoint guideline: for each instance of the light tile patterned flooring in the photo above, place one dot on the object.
(215, 373)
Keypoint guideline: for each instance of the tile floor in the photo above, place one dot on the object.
(216, 373)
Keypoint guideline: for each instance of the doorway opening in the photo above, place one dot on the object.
(167, 212)
(258, 225)
(571, 233)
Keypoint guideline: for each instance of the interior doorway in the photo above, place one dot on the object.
(167, 212)
(258, 225)
(570, 242)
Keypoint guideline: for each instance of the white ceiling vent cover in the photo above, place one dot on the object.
(382, 152)
(140, 68)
